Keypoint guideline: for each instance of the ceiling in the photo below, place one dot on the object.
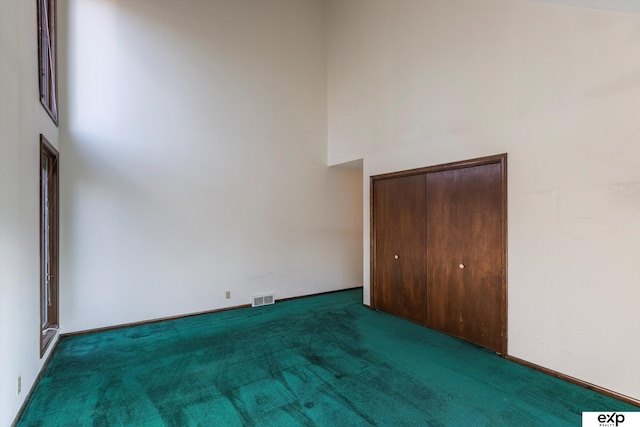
(629, 6)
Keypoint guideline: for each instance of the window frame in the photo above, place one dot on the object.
(49, 244)
(48, 57)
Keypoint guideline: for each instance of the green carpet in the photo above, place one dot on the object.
(324, 360)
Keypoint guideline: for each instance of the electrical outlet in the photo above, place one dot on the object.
(19, 384)
(227, 295)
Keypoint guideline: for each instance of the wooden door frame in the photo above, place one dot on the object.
(500, 159)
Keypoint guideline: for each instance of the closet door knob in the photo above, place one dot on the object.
(461, 265)
(396, 257)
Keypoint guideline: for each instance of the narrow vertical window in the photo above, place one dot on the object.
(47, 57)
(48, 243)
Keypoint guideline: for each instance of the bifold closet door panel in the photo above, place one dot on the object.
(464, 253)
(400, 252)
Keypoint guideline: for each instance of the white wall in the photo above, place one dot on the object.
(418, 83)
(195, 159)
(22, 120)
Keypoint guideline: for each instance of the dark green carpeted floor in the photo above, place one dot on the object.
(325, 360)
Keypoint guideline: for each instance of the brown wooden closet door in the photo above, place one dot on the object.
(464, 229)
(400, 232)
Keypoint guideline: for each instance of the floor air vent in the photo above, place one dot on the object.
(262, 299)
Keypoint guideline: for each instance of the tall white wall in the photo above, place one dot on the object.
(195, 159)
(418, 83)
(22, 120)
